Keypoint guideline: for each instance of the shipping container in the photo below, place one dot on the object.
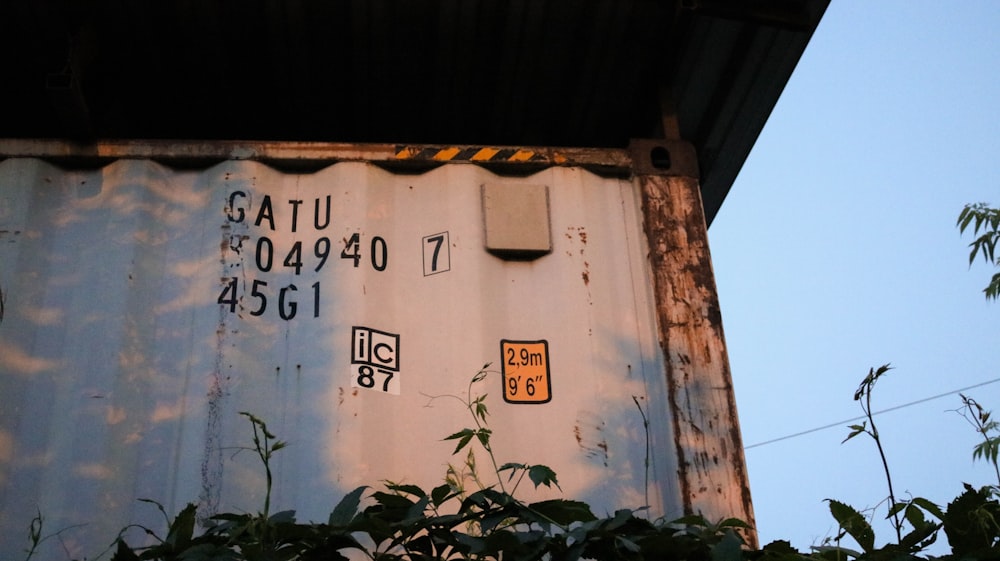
(146, 306)
(349, 293)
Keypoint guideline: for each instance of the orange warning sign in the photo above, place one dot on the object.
(525, 371)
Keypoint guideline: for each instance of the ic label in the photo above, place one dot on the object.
(375, 360)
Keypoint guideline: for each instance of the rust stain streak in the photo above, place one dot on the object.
(711, 469)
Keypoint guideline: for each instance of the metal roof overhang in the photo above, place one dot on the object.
(579, 73)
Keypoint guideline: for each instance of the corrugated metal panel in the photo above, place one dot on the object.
(144, 307)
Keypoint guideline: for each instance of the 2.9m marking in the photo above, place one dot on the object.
(526, 377)
(524, 357)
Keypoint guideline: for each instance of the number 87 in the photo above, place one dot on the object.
(366, 377)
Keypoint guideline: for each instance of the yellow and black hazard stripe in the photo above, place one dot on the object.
(476, 154)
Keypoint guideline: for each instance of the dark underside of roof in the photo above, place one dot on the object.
(584, 73)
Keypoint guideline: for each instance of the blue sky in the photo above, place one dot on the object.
(836, 251)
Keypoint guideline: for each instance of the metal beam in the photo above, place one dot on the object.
(711, 468)
(310, 156)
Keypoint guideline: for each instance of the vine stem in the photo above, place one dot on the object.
(480, 428)
(645, 426)
(885, 464)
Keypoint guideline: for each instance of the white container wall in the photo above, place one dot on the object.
(144, 307)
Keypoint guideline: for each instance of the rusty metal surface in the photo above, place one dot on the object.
(145, 306)
(312, 156)
(702, 406)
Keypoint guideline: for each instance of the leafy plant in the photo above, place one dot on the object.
(988, 428)
(863, 395)
(489, 522)
(451, 521)
(36, 535)
(924, 532)
(982, 217)
(972, 524)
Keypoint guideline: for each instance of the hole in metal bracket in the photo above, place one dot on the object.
(660, 157)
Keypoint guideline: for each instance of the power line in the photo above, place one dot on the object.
(842, 423)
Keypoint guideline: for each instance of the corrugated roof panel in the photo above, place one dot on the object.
(510, 72)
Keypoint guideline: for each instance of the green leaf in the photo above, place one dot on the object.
(915, 516)
(124, 553)
(483, 435)
(463, 436)
(407, 489)
(895, 508)
(734, 523)
(182, 529)
(440, 494)
(480, 410)
(542, 475)
(923, 534)
(729, 548)
(835, 552)
(513, 468)
(460, 434)
(964, 218)
(622, 516)
(563, 512)
(929, 507)
(347, 508)
(415, 513)
(483, 500)
(852, 522)
(993, 289)
(780, 547)
(629, 544)
(473, 544)
(971, 522)
(392, 500)
(491, 519)
(855, 431)
(283, 517)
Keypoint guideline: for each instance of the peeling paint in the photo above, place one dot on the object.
(212, 464)
(704, 419)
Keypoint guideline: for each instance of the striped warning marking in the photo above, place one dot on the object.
(482, 154)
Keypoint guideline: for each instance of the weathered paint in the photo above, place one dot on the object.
(124, 359)
(312, 156)
(711, 467)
